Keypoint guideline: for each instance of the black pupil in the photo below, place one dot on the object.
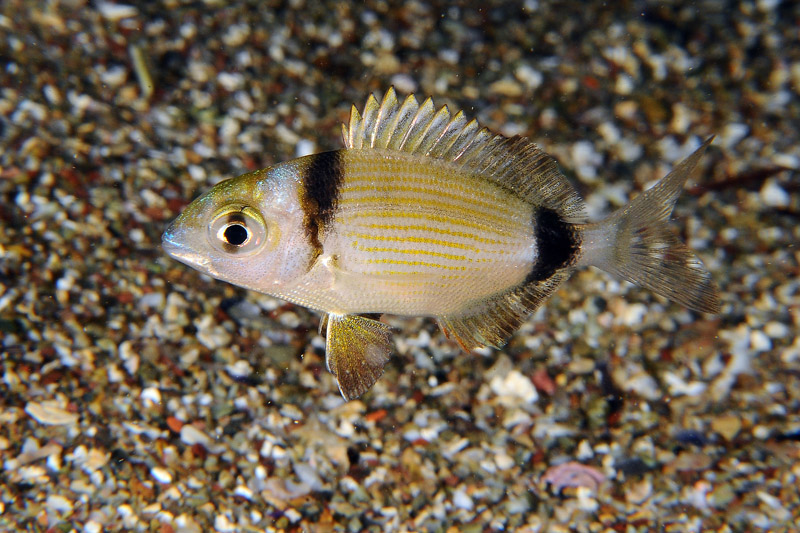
(235, 234)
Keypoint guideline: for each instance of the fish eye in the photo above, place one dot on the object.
(238, 230)
(235, 234)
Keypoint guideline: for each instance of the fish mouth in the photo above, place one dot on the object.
(168, 243)
(179, 252)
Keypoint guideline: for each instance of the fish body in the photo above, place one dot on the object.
(420, 240)
(426, 214)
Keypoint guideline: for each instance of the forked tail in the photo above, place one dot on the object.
(636, 244)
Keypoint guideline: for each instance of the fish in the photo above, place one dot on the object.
(426, 213)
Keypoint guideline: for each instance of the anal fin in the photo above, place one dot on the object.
(357, 348)
(493, 321)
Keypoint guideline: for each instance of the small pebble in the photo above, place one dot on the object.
(691, 461)
(586, 501)
(728, 426)
(776, 330)
(305, 147)
(236, 35)
(150, 396)
(787, 160)
(515, 385)
(639, 492)
(92, 526)
(503, 461)
(48, 414)
(677, 386)
(58, 504)
(732, 134)
(506, 87)
(585, 451)
(462, 500)
(223, 524)
(759, 341)
(404, 83)
(240, 369)
(243, 492)
(116, 12)
(528, 75)
(161, 475)
(773, 195)
(585, 160)
(191, 435)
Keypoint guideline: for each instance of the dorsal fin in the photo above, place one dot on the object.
(515, 164)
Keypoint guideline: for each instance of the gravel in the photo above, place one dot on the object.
(140, 395)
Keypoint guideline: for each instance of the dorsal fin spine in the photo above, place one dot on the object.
(515, 163)
(367, 119)
(412, 137)
(404, 115)
(384, 116)
(355, 125)
(434, 130)
(461, 141)
(448, 136)
(467, 154)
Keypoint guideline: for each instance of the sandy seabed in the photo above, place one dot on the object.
(137, 394)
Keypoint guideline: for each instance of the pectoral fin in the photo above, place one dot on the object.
(356, 348)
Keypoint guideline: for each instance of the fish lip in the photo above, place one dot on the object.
(181, 253)
(172, 248)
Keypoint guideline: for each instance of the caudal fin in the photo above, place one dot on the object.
(636, 244)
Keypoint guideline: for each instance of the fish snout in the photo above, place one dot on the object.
(170, 242)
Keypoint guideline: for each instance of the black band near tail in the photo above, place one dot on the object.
(557, 244)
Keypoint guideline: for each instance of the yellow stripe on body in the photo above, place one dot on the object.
(434, 191)
(413, 252)
(381, 273)
(409, 238)
(413, 202)
(440, 231)
(412, 263)
(422, 216)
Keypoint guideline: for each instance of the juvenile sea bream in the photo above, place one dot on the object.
(425, 213)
